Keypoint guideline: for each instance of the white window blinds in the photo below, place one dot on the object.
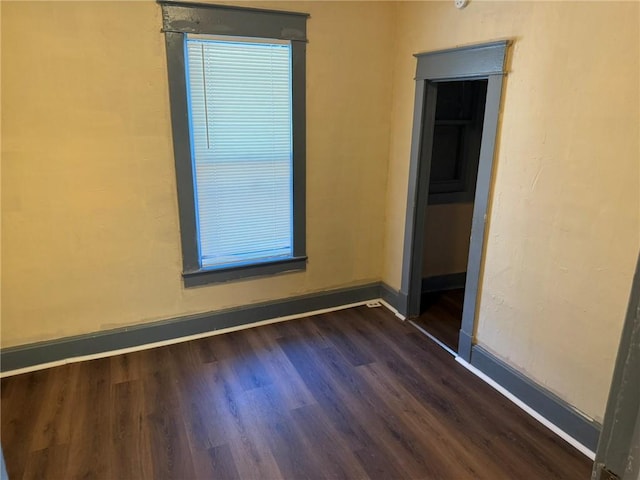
(240, 117)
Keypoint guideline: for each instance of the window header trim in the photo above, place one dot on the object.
(204, 18)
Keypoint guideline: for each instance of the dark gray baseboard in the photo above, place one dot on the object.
(389, 295)
(550, 406)
(449, 281)
(29, 355)
(547, 404)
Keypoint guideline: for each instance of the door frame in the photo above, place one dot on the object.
(482, 61)
(619, 444)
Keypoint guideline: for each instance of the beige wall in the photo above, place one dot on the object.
(447, 231)
(563, 229)
(89, 213)
(89, 210)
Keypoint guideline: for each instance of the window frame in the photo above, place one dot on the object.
(180, 19)
(463, 189)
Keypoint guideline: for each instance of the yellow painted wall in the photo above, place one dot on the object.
(0, 177)
(564, 224)
(89, 213)
(447, 231)
(90, 237)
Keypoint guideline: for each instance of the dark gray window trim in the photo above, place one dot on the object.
(484, 61)
(181, 18)
(204, 276)
(205, 18)
(449, 198)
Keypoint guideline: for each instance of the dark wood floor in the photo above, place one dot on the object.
(351, 394)
(441, 315)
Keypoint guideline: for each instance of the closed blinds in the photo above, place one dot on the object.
(240, 117)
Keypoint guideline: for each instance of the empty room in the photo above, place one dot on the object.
(320, 239)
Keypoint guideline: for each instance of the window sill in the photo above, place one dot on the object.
(227, 274)
(450, 197)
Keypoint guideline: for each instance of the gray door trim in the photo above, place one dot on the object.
(424, 111)
(463, 62)
(618, 447)
(633, 466)
(480, 208)
(3, 467)
(484, 61)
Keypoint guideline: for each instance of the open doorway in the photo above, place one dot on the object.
(457, 103)
(455, 155)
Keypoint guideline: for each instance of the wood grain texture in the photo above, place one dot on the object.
(441, 315)
(349, 394)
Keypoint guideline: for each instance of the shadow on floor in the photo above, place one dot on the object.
(441, 315)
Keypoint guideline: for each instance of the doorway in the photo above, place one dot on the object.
(455, 153)
(457, 102)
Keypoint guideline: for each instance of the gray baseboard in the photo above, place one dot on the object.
(448, 281)
(547, 404)
(550, 406)
(29, 355)
(389, 295)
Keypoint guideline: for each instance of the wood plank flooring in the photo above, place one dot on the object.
(441, 315)
(353, 394)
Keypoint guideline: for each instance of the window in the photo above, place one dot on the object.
(236, 80)
(457, 136)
